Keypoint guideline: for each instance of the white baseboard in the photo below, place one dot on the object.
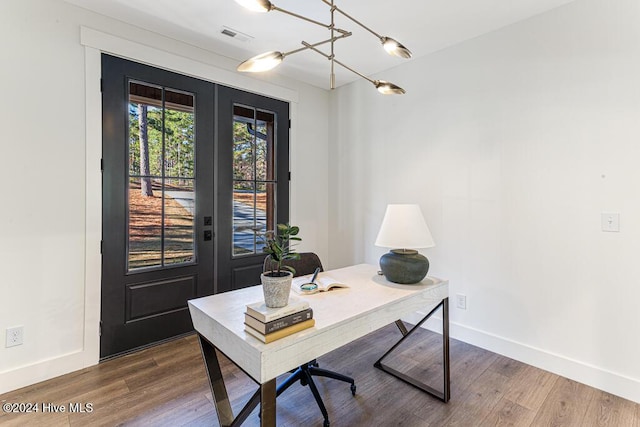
(611, 382)
(41, 371)
(594, 376)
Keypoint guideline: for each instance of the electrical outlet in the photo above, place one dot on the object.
(14, 336)
(461, 301)
(610, 221)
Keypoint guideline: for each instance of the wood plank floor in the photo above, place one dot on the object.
(166, 386)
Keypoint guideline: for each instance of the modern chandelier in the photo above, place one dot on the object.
(270, 60)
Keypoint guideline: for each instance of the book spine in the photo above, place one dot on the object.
(289, 330)
(290, 309)
(291, 320)
(281, 333)
(248, 329)
(275, 325)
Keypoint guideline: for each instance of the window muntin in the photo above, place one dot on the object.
(161, 192)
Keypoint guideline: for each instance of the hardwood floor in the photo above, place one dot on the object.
(166, 385)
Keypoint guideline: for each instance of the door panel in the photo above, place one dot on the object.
(158, 192)
(145, 300)
(253, 174)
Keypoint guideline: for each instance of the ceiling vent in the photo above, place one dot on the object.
(235, 34)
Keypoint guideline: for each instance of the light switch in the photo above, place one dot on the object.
(610, 221)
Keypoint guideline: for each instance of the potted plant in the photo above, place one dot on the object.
(276, 281)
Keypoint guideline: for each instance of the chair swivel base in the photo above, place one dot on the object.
(305, 374)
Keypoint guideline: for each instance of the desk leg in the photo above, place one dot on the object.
(445, 395)
(268, 404)
(221, 399)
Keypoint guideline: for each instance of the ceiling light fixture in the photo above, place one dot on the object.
(270, 60)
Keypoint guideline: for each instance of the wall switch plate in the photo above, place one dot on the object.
(461, 301)
(14, 336)
(610, 221)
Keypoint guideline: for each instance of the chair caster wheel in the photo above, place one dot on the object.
(353, 389)
(326, 423)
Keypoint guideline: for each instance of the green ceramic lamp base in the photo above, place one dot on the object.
(405, 266)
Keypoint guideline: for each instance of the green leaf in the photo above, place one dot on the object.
(278, 244)
(288, 267)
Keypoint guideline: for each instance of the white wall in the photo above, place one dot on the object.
(50, 145)
(513, 144)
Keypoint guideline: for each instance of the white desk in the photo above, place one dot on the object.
(341, 316)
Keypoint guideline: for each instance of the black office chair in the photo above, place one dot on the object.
(307, 264)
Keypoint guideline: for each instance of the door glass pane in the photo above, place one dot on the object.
(253, 172)
(179, 194)
(243, 146)
(265, 203)
(264, 135)
(145, 226)
(243, 218)
(161, 172)
(179, 135)
(179, 198)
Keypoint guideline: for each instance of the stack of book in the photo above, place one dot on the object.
(269, 324)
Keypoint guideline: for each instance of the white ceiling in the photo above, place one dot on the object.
(424, 26)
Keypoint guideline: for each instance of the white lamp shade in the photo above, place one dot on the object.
(263, 62)
(404, 227)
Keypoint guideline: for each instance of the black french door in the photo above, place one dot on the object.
(193, 173)
(257, 197)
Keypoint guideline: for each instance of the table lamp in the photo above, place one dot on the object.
(404, 228)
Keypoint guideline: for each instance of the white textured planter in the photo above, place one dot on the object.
(276, 289)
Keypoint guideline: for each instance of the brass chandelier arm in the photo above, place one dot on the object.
(312, 46)
(354, 71)
(384, 87)
(351, 18)
(392, 46)
(267, 6)
(304, 18)
(270, 60)
(331, 58)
